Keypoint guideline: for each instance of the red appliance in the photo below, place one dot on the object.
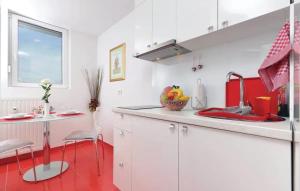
(254, 87)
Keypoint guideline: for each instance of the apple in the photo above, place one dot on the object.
(167, 89)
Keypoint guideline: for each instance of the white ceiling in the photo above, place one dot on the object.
(88, 16)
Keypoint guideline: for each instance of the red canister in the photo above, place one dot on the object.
(262, 106)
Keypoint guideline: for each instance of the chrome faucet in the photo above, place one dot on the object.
(242, 86)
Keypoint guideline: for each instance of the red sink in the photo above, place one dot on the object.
(222, 114)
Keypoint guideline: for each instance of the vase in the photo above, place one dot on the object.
(46, 109)
(95, 118)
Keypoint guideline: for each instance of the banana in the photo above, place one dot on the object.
(184, 98)
(178, 92)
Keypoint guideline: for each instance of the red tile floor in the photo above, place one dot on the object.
(81, 176)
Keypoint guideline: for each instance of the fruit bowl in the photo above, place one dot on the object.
(173, 98)
(176, 105)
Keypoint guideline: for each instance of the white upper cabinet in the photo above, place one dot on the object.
(235, 11)
(196, 18)
(155, 22)
(143, 26)
(164, 20)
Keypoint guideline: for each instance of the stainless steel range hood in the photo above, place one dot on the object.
(162, 51)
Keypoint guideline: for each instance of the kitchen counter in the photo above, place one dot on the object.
(276, 130)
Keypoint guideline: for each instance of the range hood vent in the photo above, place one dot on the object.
(162, 51)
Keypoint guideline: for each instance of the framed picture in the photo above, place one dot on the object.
(117, 63)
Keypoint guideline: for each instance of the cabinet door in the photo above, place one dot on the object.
(211, 160)
(154, 155)
(122, 159)
(122, 121)
(196, 18)
(164, 20)
(143, 26)
(235, 11)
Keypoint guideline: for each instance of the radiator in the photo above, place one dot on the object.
(28, 131)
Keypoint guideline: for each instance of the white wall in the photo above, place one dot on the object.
(80, 15)
(145, 80)
(83, 53)
(136, 89)
(242, 56)
(137, 2)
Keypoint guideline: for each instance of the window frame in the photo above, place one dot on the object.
(13, 50)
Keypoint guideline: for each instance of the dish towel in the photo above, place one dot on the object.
(274, 71)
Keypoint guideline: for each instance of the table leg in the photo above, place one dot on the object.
(48, 169)
(46, 146)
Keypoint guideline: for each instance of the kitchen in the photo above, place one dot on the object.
(156, 148)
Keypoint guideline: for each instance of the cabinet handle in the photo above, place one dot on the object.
(225, 24)
(172, 127)
(210, 28)
(155, 43)
(148, 46)
(122, 133)
(184, 129)
(121, 164)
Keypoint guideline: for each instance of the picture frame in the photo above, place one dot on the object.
(117, 63)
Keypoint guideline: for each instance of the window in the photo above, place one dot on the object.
(38, 51)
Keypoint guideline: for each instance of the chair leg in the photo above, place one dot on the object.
(18, 162)
(62, 159)
(102, 145)
(97, 157)
(33, 163)
(75, 155)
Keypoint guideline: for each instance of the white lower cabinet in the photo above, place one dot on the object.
(157, 155)
(154, 155)
(211, 160)
(122, 151)
(122, 159)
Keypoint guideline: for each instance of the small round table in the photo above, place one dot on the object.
(48, 169)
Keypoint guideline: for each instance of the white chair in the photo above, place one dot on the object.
(89, 135)
(15, 145)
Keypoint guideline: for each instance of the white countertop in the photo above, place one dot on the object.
(277, 130)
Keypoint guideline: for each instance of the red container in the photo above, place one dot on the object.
(262, 106)
(254, 88)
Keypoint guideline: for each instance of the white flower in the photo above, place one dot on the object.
(45, 82)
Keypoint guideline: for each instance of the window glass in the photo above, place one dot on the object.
(40, 54)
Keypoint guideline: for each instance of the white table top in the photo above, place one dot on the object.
(52, 117)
